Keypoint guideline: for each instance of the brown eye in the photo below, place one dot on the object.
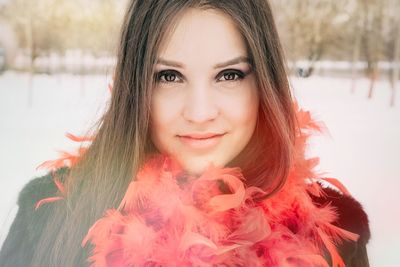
(232, 75)
(170, 77)
(167, 76)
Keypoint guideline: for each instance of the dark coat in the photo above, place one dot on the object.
(25, 232)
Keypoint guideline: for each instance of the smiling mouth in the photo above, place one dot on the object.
(201, 142)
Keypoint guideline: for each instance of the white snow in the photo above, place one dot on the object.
(361, 149)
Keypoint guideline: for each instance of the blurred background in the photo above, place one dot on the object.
(57, 59)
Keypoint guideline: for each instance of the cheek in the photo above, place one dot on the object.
(243, 110)
(164, 116)
(163, 113)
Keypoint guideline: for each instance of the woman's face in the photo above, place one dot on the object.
(205, 101)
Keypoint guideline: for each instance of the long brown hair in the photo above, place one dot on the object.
(98, 182)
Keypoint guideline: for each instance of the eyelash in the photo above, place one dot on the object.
(158, 76)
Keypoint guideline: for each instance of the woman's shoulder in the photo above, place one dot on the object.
(351, 217)
(351, 214)
(41, 188)
(30, 221)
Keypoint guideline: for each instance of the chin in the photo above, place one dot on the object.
(198, 166)
(195, 170)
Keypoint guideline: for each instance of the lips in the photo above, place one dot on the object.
(200, 136)
(204, 141)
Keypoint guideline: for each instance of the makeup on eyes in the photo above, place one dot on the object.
(241, 74)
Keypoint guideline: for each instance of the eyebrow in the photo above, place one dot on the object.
(236, 60)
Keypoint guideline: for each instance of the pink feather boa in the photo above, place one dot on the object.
(170, 219)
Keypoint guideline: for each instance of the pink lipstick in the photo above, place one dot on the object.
(201, 141)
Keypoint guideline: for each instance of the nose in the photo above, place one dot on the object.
(200, 105)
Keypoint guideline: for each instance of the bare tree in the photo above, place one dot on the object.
(392, 44)
(309, 29)
(396, 61)
(356, 31)
(372, 11)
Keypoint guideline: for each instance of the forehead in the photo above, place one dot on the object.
(203, 36)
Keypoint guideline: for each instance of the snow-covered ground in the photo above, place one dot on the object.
(361, 149)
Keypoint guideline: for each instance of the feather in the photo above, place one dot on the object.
(308, 260)
(65, 159)
(46, 200)
(230, 177)
(338, 233)
(169, 218)
(190, 239)
(59, 184)
(76, 138)
(253, 228)
(336, 259)
(337, 184)
(60, 188)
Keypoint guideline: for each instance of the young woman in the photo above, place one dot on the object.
(198, 161)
